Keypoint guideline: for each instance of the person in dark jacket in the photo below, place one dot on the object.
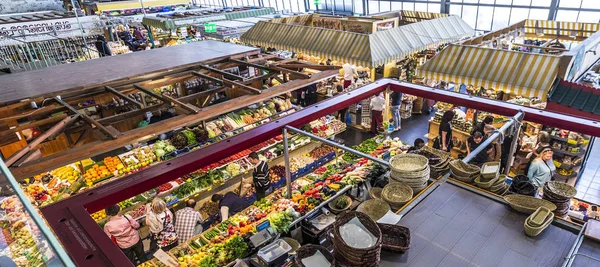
(311, 94)
(102, 47)
(395, 105)
(480, 127)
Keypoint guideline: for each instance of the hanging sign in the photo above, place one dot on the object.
(317, 2)
(210, 27)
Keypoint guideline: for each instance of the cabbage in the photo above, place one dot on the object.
(170, 148)
(159, 152)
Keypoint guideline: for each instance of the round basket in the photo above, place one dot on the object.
(374, 208)
(397, 194)
(309, 250)
(444, 156)
(485, 185)
(418, 189)
(463, 169)
(410, 182)
(375, 192)
(356, 256)
(534, 230)
(336, 210)
(560, 189)
(527, 204)
(414, 175)
(464, 179)
(408, 165)
(396, 238)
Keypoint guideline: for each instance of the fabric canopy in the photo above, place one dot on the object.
(561, 28)
(517, 73)
(168, 24)
(355, 48)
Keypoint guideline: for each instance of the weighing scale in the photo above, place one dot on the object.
(263, 241)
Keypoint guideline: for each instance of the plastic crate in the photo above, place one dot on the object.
(173, 202)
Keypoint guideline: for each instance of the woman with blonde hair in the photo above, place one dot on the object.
(160, 221)
(542, 168)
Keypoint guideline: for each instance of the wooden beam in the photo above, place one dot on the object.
(153, 130)
(243, 87)
(305, 66)
(291, 72)
(33, 124)
(223, 73)
(32, 113)
(31, 155)
(59, 127)
(124, 97)
(74, 119)
(208, 77)
(167, 99)
(257, 66)
(262, 58)
(88, 119)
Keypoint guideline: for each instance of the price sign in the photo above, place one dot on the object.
(210, 27)
(317, 2)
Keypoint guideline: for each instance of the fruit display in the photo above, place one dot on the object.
(96, 173)
(113, 164)
(321, 151)
(99, 216)
(325, 126)
(66, 173)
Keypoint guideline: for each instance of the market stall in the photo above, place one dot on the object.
(116, 8)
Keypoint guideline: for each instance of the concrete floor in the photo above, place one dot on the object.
(455, 227)
(588, 185)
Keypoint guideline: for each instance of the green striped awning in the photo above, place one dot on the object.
(168, 24)
(250, 13)
(355, 48)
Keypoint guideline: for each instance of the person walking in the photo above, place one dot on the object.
(122, 230)
(396, 104)
(102, 46)
(260, 176)
(377, 104)
(160, 221)
(188, 222)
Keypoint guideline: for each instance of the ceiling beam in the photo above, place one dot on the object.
(104, 130)
(242, 87)
(207, 77)
(168, 99)
(124, 97)
(222, 73)
(33, 124)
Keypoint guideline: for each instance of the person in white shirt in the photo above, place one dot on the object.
(349, 72)
(377, 105)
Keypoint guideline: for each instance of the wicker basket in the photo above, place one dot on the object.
(410, 182)
(444, 156)
(397, 194)
(375, 192)
(486, 172)
(522, 185)
(418, 189)
(409, 165)
(485, 185)
(309, 250)
(334, 209)
(396, 238)
(424, 173)
(374, 208)
(560, 189)
(527, 204)
(465, 179)
(533, 229)
(356, 256)
(460, 168)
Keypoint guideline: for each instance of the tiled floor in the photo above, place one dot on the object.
(588, 185)
(454, 227)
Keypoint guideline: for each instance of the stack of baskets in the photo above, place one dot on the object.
(560, 194)
(538, 221)
(396, 194)
(464, 172)
(350, 256)
(442, 166)
(491, 180)
(410, 169)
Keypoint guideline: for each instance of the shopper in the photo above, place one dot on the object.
(480, 127)
(444, 139)
(473, 142)
(188, 222)
(495, 150)
(102, 46)
(122, 230)
(418, 145)
(396, 104)
(231, 203)
(260, 176)
(542, 168)
(311, 91)
(342, 112)
(137, 34)
(543, 142)
(349, 72)
(160, 221)
(377, 105)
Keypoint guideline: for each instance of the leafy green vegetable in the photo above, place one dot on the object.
(208, 261)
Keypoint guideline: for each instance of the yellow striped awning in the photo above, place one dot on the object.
(359, 49)
(517, 73)
(561, 28)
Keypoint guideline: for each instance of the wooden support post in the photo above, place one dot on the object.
(167, 99)
(207, 77)
(273, 67)
(59, 127)
(124, 97)
(243, 87)
(89, 119)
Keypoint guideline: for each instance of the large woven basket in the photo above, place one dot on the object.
(424, 173)
(443, 155)
(527, 204)
(462, 169)
(308, 250)
(485, 185)
(396, 194)
(533, 230)
(356, 256)
(409, 165)
(396, 238)
(410, 182)
(374, 208)
(560, 189)
(375, 192)
(490, 170)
